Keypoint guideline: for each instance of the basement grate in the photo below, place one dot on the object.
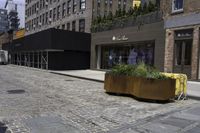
(16, 91)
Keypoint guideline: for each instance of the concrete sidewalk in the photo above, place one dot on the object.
(193, 89)
(83, 74)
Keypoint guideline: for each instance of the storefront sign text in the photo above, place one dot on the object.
(119, 38)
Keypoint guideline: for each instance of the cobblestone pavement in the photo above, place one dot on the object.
(36, 101)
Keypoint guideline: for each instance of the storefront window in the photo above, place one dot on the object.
(133, 54)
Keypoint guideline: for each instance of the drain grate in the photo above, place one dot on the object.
(69, 80)
(16, 91)
(3, 128)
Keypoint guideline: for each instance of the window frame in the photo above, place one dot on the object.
(81, 25)
(177, 10)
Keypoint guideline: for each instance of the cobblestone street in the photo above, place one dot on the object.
(36, 101)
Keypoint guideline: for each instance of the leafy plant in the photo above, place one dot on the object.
(139, 70)
(121, 17)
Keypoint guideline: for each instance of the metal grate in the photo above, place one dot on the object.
(16, 91)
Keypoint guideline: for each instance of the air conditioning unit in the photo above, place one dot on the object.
(46, 3)
(40, 23)
(27, 29)
(37, 9)
(50, 19)
(34, 26)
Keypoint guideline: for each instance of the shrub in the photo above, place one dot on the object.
(139, 70)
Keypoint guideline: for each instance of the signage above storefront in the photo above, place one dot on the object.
(119, 38)
(184, 33)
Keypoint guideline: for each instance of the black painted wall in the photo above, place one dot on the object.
(69, 60)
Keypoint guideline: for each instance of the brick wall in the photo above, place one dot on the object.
(169, 51)
(195, 55)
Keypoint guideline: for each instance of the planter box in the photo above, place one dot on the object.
(153, 89)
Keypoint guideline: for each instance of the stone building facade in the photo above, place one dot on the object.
(103, 7)
(74, 15)
(182, 24)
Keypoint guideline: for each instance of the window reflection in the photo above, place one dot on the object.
(114, 55)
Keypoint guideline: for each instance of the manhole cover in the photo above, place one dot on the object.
(16, 91)
(3, 127)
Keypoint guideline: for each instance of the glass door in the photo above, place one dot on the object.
(183, 56)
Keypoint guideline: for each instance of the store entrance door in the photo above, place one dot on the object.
(183, 55)
(183, 52)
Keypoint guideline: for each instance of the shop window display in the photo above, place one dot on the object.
(133, 54)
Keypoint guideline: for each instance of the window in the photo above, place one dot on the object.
(68, 26)
(40, 4)
(63, 10)
(82, 4)
(50, 15)
(74, 6)
(183, 52)
(124, 5)
(43, 19)
(43, 3)
(119, 4)
(183, 47)
(54, 14)
(98, 3)
(177, 5)
(74, 26)
(110, 4)
(40, 20)
(132, 54)
(63, 26)
(58, 12)
(46, 20)
(82, 25)
(69, 7)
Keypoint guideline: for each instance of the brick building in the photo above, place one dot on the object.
(74, 15)
(182, 24)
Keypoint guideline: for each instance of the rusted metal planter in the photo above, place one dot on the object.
(153, 89)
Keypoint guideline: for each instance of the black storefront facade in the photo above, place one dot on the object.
(129, 45)
(52, 49)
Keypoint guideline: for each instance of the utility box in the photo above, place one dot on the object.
(3, 57)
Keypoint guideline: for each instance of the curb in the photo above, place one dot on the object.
(96, 80)
(193, 97)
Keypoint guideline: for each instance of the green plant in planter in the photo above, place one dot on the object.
(139, 70)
